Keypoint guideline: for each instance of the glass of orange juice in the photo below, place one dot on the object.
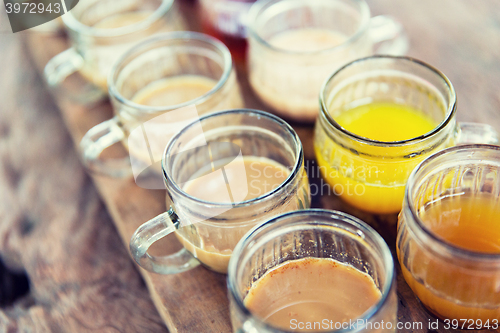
(379, 117)
(448, 241)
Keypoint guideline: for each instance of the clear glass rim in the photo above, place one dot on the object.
(294, 173)
(420, 225)
(72, 23)
(337, 215)
(333, 125)
(171, 37)
(258, 6)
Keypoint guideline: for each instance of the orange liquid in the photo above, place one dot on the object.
(447, 288)
(468, 222)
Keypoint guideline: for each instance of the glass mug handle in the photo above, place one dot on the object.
(476, 133)
(98, 139)
(388, 35)
(65, 64)
(61, 66)
(153, 230)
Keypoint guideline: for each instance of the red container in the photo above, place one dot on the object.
(225, 20)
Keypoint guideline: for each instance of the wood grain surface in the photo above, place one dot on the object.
(55, 228)
(53, 224)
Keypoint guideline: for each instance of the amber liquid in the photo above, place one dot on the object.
(312, 291)
(471, 223)
(450, 289)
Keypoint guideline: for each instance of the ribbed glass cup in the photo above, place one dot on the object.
(451, 282)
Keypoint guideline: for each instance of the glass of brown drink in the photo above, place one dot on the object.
(312, 271)
(224, 174)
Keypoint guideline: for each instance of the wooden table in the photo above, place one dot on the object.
(55, 228)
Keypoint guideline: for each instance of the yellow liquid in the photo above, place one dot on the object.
(386, 122)
(448, 289)
(372, 183)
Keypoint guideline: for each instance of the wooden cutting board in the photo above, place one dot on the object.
(196, 301)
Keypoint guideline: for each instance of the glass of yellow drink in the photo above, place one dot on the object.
(379, 117)
(448, 240)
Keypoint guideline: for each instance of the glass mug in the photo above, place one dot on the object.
(313, 233)
(209, 230)
(450, 281)
(294, 44)
(369, 174)
(192, 57)
(101, 31)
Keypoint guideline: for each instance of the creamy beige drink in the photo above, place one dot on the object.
(289, 77)
(311, 293)
(168, 92)
(216, 244)
(122, 20)
(101, 58)
(164, 92)
(174, 90)
(307, 40)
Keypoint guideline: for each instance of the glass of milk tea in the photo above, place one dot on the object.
(225, 173)
(312, 271)
(156, 89)
(101, 31)
(295, 44)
